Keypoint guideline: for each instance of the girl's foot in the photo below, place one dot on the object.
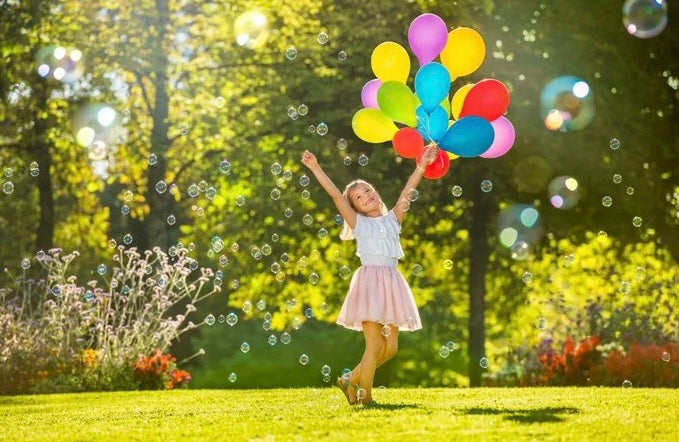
(347, 388)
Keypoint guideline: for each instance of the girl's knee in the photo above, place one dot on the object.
(390, 349)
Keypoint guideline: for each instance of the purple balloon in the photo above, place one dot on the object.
(503, 140)
(427, 36)
(369, 93)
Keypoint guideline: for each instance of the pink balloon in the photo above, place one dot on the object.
(504, 138)
(369, 93)
(427, 36)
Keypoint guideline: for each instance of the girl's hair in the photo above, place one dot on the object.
(347, 233)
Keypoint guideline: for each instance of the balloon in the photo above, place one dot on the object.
(504, 138)
(369, 93)
(432, 83)
(408, 143)
(488, 98)
(427, 36)
(397, 102)
(438, 167)
(390, 61)
(458, 100)
(445, 104)
(373, 126)
(464, 52)
(432, 125)
(451, 155)
(468, 137)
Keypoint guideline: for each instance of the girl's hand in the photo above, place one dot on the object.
(309, 160)
(429, 155)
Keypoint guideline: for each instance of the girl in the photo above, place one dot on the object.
(379, 302)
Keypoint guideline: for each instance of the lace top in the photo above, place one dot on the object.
(378, 235)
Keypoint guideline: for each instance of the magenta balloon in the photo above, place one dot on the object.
(369, 93)
(427, 36)
(503, 140)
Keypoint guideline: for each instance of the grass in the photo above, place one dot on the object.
(322, 414)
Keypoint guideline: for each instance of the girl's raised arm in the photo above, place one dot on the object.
(343, 206)
(402, 204)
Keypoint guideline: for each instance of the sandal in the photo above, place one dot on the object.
(343, 383)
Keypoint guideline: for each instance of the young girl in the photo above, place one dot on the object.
(379, 302)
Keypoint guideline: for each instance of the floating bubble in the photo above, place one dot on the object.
(567, 104)
(564, 192)
(101, 269)
(291, 53)
(624, 287)
(519, 228)
(303, 359)
(630, 190)
(322, 233)
(307, 219)
(606, 201)
(304, 181)
(96, 127)
(360, 394)
(665, 356)
(644, 18)
(342, 55)
(127, 239)
(276, 168)
(541, 324)
(251, 29)
(286, 338)
(221, 319)
(617, 178)
(520, 250)
(302, 109)
(640, 273)
(161, 187)
(219, 102)
(34, 169)
(322, 38)
(527, 278)
(325, 370)
(25, 263)
(274, 237)
(245, 347)
(626, 384)
(280, 276)
(8, 187)
(171, 219)
(614, 144)
(386, 331)
(483, 362)
(417, 270)
(62, 64)
(447, 264)
(232, 377)
(363, 160)
(413, 195)
(287, 175)
(347, 160)
(231, 319)
(210, 319)
(322, 129)
(444, 351)
(456, 191)
(636, 221)
(342, 144)
(344, 272)
(313, 278)
(486, 186)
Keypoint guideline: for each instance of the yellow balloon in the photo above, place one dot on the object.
(452, 156)
(458, 100)
(371, 125)
(464, 52)
(390, 62)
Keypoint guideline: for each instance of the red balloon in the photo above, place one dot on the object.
(488, 99)
(438, 167)
(408, 142)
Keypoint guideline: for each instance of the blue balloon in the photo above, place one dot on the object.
(432, 83)
(432, 125)
(468, 137)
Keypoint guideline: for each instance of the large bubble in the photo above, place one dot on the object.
(251, 29)
(644, 18)
(564, 192)
(97, 126)
(519, 228)
(567, 104)
(60, 63)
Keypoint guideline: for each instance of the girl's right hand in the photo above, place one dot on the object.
(309, 160)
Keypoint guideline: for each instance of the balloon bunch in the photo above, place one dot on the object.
(477, 127)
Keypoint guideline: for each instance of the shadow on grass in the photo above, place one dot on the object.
(382, 406)
(527, 416)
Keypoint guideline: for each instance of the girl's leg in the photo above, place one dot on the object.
(374, 345)
(388, 352)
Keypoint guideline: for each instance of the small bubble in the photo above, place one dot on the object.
(347, 160)
(322, 129)
(304, 181)
(322, 233)
(171, 219)
(101, 269)
(606, 201)
(127, 239)
(630, 190)
(192, 190)
(636, 221)
(314, 278)
(483, 362)
(307, 219)
(8, 187)
(247, 306)
(640, 273)
(363, 160)
(626, 384)
(413, 195)
(341, 144)
(665, 356)
(25, 263)
(240, 200)
(276, 168)
(486, 186)
(417, 270)
(232, 377)
(152, 159)
(225, 167)
(624, 287)
(444, 351)
(541, 324)
(386, 331)
(245, 347)
(617, 178)
(275, 194)
(322, 38)
(231, 319)
(614, 144)
(302, 109)
(342, 55)
(286, 338)
(210, 319)
(456, 191)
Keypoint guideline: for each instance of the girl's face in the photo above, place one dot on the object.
(365, 199)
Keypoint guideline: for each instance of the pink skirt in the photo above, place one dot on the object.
(379, 294)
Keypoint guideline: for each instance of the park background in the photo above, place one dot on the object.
(202, 161)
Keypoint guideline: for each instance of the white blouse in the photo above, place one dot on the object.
(378, 236)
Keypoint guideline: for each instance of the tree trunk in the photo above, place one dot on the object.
(157, 231)
(40, 146)
(478, 263)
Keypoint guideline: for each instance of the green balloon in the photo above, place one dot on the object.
(397, 102)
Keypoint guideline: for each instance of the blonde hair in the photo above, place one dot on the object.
(347, 232)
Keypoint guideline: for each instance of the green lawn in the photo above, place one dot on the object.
(321, 414)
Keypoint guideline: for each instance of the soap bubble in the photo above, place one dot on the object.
(644, 18)
(567, 104)
(251, 29)
(564, 192)
(519, 228)
(323, 38)
(60, 63)
(291, 53)
(97, 126)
